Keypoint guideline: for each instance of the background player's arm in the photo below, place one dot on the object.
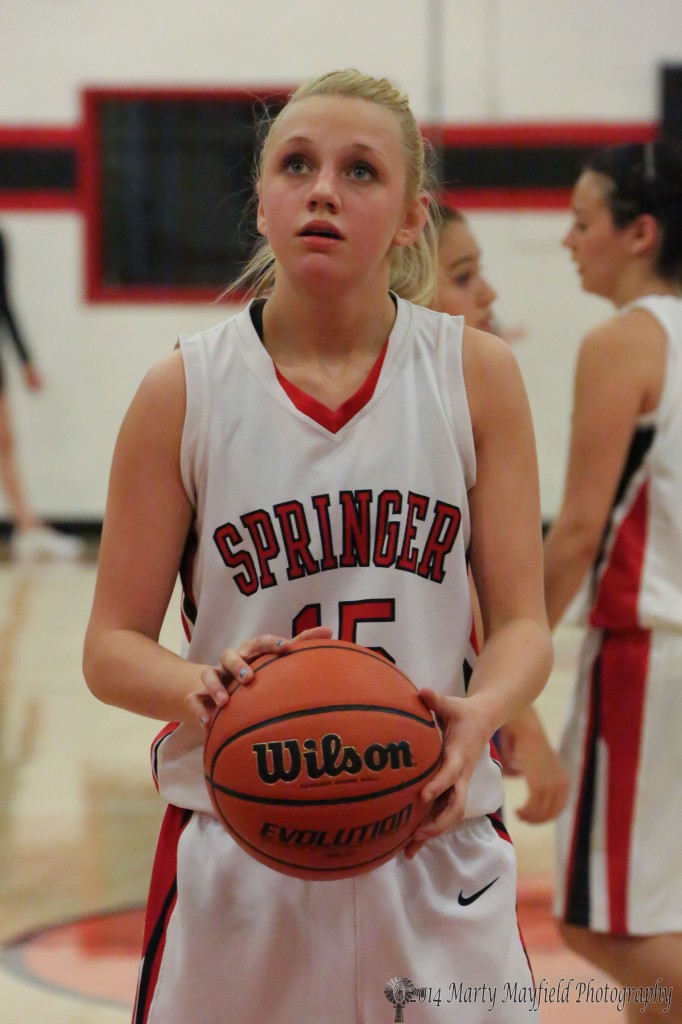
(506, 546)
(615, 381)
(147, 519)
(506, 562)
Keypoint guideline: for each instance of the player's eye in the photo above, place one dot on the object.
(362, 171)
(462, 280)
(295, 163)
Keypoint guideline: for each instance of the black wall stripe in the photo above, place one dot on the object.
(523, 167)
(28, 169)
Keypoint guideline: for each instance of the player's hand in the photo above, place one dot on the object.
(540, 765)
(234, 668)
(466, 732)
(32, 379)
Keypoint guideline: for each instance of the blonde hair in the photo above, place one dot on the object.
(413, 267)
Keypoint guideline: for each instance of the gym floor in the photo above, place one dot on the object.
(79, 818)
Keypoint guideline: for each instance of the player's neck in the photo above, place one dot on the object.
(302, 324)
(645, 282)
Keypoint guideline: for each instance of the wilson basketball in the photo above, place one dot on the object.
(316, 767)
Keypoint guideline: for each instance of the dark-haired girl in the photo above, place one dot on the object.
(620, 895)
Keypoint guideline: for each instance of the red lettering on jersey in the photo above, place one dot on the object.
(386, 534)
(356, 527)
(223, 537)
(262, 533)
(296, 537)
(417, 506)
(329, 559)
(386, 540)
(440, 541)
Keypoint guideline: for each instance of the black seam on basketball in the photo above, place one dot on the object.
(351, 869)
(357, 649)
(288, 802)
(310, 712)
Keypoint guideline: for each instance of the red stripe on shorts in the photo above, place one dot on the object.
(498, 824)
(625, 669)
(160, 904)
(577, 877)
(156, 743)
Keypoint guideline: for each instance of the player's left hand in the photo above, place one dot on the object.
(466, 731)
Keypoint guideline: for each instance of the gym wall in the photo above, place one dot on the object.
(513, 74)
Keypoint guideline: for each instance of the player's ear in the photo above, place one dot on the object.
(416, 213)
(644, 234)
(260, 213)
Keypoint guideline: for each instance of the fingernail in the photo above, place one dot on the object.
(279, 643)
(204, 719)
(242, 673)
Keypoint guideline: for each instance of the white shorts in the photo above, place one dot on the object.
(618, 856)
(229, 941)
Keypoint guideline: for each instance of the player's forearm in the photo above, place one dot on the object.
(131, 671)
(570, 549)
(511, 670)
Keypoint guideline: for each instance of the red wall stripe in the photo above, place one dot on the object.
(555, 133)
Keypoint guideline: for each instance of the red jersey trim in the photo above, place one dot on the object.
(616, 605)
(334, 419)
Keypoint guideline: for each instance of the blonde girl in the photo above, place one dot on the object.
(324, 462)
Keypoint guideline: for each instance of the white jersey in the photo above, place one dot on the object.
(357, 520)
(637, 581)
(618, 871)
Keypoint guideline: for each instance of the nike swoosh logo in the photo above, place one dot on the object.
(464, 901)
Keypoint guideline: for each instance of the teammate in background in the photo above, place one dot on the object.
(31, 539)
(313, 458)
(620, 896)
(523, 744)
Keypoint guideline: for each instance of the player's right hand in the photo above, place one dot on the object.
(234, 667)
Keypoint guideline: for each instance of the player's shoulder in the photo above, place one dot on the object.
(161, 393)
(218, 333)
(627, 339)
(427, 321)
(484, 353)
(494, 385)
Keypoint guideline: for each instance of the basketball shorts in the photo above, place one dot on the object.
(618, 858)
(229, 941)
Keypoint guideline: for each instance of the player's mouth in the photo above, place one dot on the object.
(320, 229)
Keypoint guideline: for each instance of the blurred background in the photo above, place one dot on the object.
(126, 135)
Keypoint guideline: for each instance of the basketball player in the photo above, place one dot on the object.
(313, 462)
(621, 872)
(32, 540)
(522, 744)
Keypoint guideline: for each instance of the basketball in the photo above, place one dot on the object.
(316, 767)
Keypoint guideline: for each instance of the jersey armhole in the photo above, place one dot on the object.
(195, 427)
